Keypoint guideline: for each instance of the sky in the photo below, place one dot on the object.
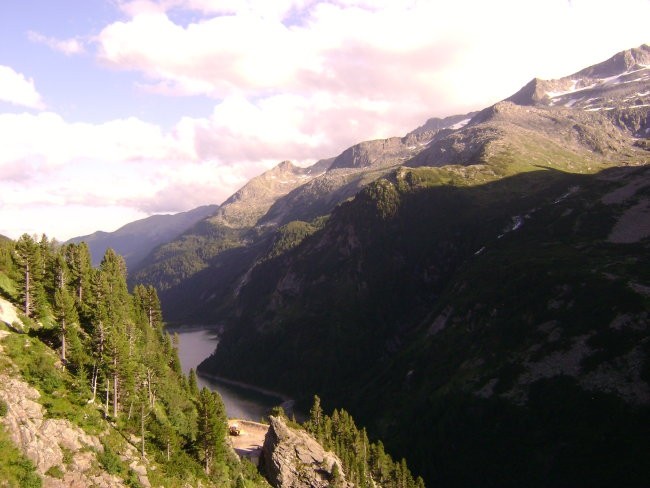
(114, 110)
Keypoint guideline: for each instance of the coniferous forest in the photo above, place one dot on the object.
(116, 374)
(114, 363)
(366, 463)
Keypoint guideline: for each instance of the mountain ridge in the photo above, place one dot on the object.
(136, 239)
(450, 302)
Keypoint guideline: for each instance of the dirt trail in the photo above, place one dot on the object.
(249, 442)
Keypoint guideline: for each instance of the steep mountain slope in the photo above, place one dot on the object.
(618, 88)
(219, 242)
(485, 305)
(137, 239)
(247, 205)
(200, 272)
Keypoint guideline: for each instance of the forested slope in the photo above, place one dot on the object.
(100, 359)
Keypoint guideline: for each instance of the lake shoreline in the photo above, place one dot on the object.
(242, 400)
(172, 329)
(264, 391)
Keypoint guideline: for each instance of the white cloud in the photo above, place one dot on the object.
(47, 140)
(386, 47)
(63, 221)
(123, 168)
(66, 46)
(289, 79)
(15, 88)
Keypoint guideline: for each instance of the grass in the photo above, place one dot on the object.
(16, 471)
(37, 364)
(55, 472)
(7, 286)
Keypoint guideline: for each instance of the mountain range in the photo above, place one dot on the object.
(475, 292)
(134, 241)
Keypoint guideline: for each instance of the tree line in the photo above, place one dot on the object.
(365, 463)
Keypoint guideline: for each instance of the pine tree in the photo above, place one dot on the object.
(28, 261)
(77, 257)
(98, 319)
(64, 310)
(211, 427)
(65, 314)
(193, 383)
(315, 417)
(148, 299)
(335, 476)
(118, 308)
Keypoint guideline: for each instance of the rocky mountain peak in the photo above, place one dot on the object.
(253, 200)
(618, 88)
(285, 166)
(624, 61)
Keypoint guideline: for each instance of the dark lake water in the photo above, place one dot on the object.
(241, 401)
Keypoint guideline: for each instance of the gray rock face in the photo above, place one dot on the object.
(377, 153)
(43, 440)
(293, 459)
(252, 201)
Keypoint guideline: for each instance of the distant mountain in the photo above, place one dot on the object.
(137, 239)
(481, 304)
(616, 84)
(209, 244)
(197, 273)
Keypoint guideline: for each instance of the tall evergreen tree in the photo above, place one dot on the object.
(147, 302)
(25, 257)
(211, 427)
(65, 315)
(193, 383)
(77, 257)
(118, 311)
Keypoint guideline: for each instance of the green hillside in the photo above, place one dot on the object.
(486, 302)
(102, 364)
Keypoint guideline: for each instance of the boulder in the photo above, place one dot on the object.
(294, 459)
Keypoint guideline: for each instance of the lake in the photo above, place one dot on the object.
(242, 401)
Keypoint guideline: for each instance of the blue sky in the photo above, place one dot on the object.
(112, 110)
(78, 87)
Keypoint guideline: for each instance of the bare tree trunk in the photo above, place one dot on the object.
(93, 381)
(108, 387)
(63, 341)
(28, 303)
(142, 426)
(115, 386)
(149, 378)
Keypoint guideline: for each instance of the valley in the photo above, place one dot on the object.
(241, 401)
(475, 294)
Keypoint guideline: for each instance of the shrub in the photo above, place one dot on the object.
(110, 461)
(55, 472)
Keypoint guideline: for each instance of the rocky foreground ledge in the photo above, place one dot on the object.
(48, 441)
(293, 459)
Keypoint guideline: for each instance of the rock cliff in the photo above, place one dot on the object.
(63, 454)
(293, 459)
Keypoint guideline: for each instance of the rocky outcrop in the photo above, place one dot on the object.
(8, 315)
(293, 459)
(253, 200)
(54, 444)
